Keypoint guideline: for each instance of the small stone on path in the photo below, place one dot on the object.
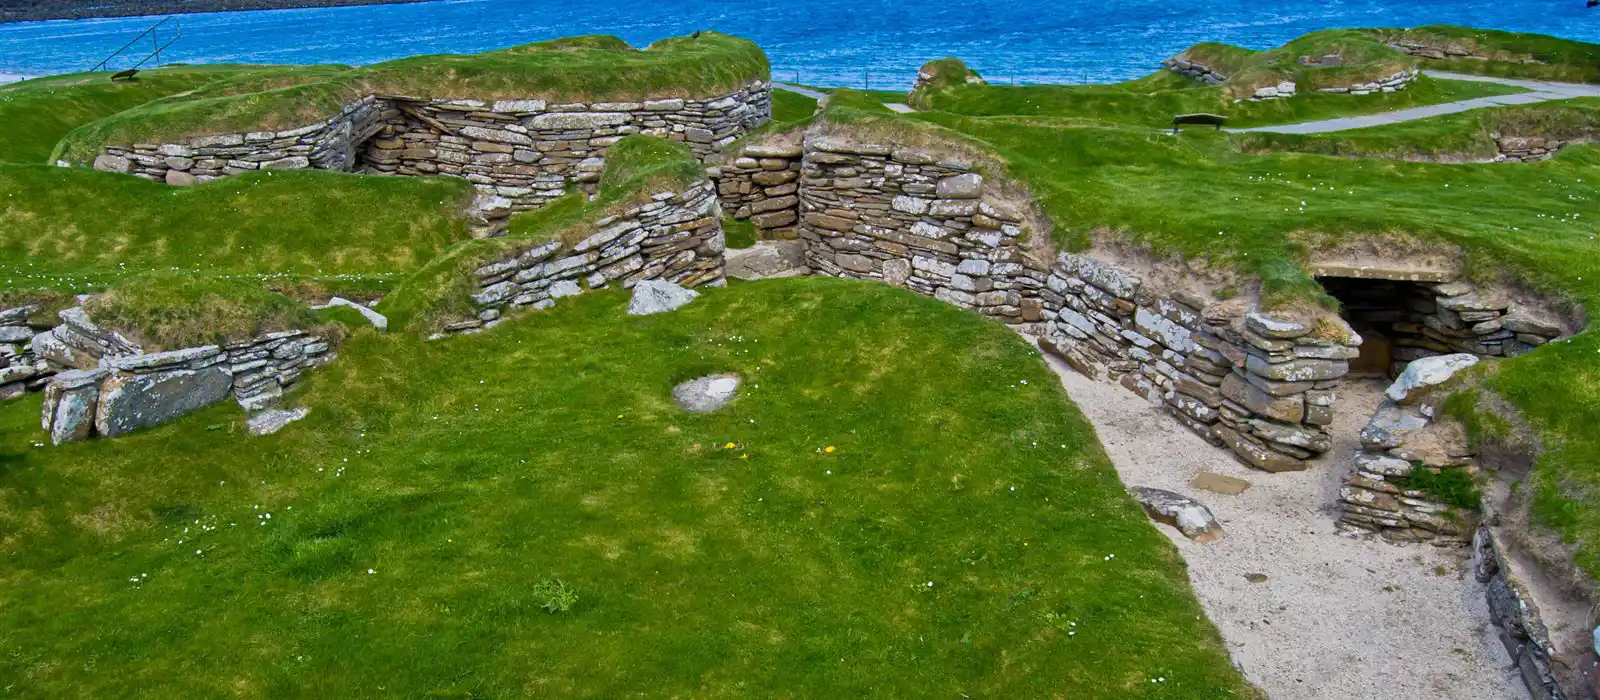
(1256, 578)
(1217, 483)
(1191, 518)
(706, 394)
(658, 296)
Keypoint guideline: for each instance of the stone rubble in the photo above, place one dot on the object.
(1403, 436)
(652, 297)
(1191, 518)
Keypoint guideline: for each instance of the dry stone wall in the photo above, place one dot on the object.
(1528, 149)
(107, 385)
(21, 370)
(529, 151)
(1194, 69)
(677, 237)
(1522, 630)
(519, 154)
(1260, 385)
(908, 218)
(330, 144)
(759, 182)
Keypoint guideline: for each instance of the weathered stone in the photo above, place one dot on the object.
(112, 163)
(1273, 327)
(130, 402)
(1390, 427)
(658, 296)
(156, 360)
(1297, 370)
(1191, 518)
(963, 186)
(1382, 465)
(706, 394)
(274, 419)
(1295, 435)
(378, 321)
(179, 178)
(1256, 454)
(572, 121)
(1289, 409)
(1427, 376)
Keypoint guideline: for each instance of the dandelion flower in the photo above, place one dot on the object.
(828, 449)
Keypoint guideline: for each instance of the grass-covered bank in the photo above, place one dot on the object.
(77, 230)
(902, 503)
(573, 69)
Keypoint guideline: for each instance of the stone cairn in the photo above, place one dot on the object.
(760, 183)
(102, 383)
(1402, 437)
(676, 237)
(905, 217)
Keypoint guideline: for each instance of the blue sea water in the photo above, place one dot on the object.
(822, 42)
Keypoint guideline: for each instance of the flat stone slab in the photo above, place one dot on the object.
(1217, 483)
(272, 420)
(378, 321)
(1191, 518)
(1422, 376)
(706, 394)
(658, 296)
(131, 402)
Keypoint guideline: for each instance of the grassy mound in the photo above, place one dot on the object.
(38, 113)
(901, 497)
(636, 168)
(1505, 54)
(77, 230)
(167, 310)
(563, 70)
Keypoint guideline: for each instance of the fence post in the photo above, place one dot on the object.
(866, 80)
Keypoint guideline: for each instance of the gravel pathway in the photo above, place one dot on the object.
(1335, 617)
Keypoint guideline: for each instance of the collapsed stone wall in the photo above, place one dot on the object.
(1402, 437)
(518, 154)
(330, 144)
(107, 385)
(759, 183)
(908, 218)
(675, 237)
(21, 370)
(1529, 149)
(1181, 65)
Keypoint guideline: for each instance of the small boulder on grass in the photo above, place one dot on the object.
(658, 296)
(706, 394)
(1191, 518)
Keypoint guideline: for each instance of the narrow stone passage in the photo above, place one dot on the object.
(1333, 618)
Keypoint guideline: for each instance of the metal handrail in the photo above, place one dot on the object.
(156, 46)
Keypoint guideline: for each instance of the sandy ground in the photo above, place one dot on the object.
(1335, 617)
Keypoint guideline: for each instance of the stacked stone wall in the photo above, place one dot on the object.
(330, 144)
(1529, 149)
(528, 151)
(908, 218)
(759, 183)
(1394, 83)
(107, 385)
(675, 237)
(21, 370)
(1522, 630)
(1194, 69)
(1426, 319)
(519, 154)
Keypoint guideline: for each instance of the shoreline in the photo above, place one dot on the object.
(14, 11)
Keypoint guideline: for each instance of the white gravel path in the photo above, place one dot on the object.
(1336, 617)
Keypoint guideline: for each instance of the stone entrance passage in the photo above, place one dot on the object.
(1386, 314)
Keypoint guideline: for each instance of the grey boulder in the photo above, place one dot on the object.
(706, 394)
(658, 296)
(1191, 518)
(1422, 376)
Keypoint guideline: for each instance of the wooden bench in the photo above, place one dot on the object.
(1201, 119)
(125, 76)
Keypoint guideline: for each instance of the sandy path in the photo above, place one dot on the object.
(1336, 617)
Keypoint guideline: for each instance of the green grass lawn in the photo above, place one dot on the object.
(901, 503)
(76, 230)
(37, 113)
(1152, 101)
